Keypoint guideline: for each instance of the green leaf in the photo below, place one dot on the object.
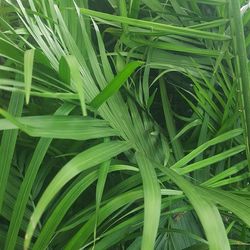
(60, 127)
(115, 84)
(28, 68)
(26, 186)
(154, 26)
(116, 203)
(231, 180)
(83, 161)
(206, 210)
(221, 138)
(238, 205)
(242, 71)
(71, 194)
(64, 70)
(134, 8)
(190, 125)
(102, 176)
(226, 173)
(11, 51)
(73, 67)
(211, 160)
(7, 145)
(152, 202)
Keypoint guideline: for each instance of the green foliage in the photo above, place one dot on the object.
(124, 124)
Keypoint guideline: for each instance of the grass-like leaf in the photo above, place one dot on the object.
(8, 143)
(28, 68)
(152, 202)
(115, 84)
(81, 162)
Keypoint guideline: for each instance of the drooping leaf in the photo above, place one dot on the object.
(81, 162)
(152, 202)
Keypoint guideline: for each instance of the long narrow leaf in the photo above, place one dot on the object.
(81, 162)
(206, 210)
(115, 84)
(152, 202)
(60, 127)
(8, 143)
(75, 76)
(28, 68)
(155, 26)
(26, 186)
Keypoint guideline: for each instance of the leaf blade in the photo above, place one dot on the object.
(115, 84)
(28, 68)
(81, 162)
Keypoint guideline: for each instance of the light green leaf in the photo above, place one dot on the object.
(211, 160)
(226, 173)
(238, 205)
(81, 162)
(28, 68)
(152, 202)
(190, 125)
(71, 194)
(154, 26)
(26, 186)
(75, 76)
(116, 203)
(8, 143)
(60, 127)
(221, 138)
(206, 210)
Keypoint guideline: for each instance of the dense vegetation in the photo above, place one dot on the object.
(125, 124)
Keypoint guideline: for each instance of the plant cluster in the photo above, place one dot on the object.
(124, 124)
